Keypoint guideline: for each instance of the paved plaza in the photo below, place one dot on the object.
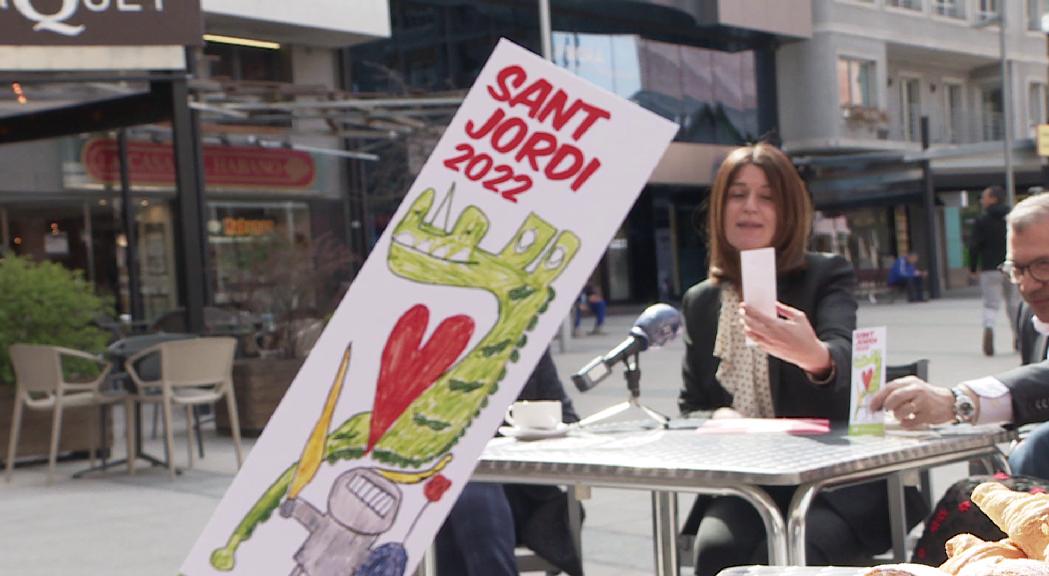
(116, 525)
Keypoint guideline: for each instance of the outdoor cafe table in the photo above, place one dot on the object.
(665, 462)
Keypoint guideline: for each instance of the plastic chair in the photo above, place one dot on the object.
(192, 373)
(41, 385)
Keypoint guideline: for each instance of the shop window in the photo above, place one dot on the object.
(863, 236)
(244, 238)
(856, 82)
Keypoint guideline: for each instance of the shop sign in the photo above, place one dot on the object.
(228, 167)
(100, 22)
(247, 227)
(459, 298)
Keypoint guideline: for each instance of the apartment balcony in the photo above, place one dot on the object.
(875, 129)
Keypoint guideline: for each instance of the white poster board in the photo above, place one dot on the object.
(383, 425)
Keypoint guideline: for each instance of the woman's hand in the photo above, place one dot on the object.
(789, 337)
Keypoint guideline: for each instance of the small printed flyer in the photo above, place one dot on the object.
(868, 376)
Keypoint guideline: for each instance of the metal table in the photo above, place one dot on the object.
(665, 462)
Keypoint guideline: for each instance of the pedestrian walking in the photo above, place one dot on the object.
(986, 253)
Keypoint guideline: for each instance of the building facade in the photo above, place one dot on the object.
(270, 184)
(860, 87)
(709, 66)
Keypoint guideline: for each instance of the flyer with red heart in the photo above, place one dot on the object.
(382, 427)
(868, 376)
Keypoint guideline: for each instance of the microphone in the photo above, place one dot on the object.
(656, 326)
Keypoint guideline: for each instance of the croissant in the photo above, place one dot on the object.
(906, 570)
(1018, 567)
(1024, 517)
(965, 550)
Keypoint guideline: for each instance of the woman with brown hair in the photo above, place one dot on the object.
(799, 365)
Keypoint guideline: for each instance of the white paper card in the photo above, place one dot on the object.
(868, 376)
(758, 268)
(383, 426)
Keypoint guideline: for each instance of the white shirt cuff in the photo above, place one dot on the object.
(996, 403)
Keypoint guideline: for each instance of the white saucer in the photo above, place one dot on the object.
(534, 433)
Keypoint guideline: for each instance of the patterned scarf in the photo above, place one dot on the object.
(744, 370)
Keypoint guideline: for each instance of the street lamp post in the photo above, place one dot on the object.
(545, 29)
(1007, 100)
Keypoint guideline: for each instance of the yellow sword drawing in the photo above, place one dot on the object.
(313, 452)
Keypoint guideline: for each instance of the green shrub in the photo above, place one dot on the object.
(44, 303)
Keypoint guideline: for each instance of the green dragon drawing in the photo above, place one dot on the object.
(519, 277)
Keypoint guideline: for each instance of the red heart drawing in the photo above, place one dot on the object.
(409, 367)
(868, 375)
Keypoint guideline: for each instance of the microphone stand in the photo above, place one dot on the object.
(632, 374)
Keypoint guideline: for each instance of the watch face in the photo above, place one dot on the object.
(963, 405)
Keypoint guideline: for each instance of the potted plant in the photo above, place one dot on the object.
(45, 303)
(868, 118)
(294, 286)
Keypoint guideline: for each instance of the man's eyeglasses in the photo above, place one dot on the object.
(1039, 270)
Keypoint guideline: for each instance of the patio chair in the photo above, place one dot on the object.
(192, 373)
(41, 385)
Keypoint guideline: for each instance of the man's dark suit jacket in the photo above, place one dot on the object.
(1029, 384)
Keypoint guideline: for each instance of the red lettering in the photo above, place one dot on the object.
(562, 115)
(533, 97)
(494, 119)
(538, 144)
(520, 129)
(585, 174)
(593, 114)
(515, 75)
(555, 170)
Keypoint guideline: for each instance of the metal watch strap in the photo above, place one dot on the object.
(964, 408)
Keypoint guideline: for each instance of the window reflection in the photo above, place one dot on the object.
(711, 94)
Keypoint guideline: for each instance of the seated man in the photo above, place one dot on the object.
(905, 273)
(1020, 395)
(489, 520)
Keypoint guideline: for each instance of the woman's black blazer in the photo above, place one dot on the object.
(823, 290)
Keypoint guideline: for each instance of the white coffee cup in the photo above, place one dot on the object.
(538, 414)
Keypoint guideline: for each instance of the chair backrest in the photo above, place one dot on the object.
(919, 368)
(37, 368)
(147, 367)
(197, 362)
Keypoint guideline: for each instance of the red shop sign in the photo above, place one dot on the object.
(224, 166)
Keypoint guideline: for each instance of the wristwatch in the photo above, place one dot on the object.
(964, 408)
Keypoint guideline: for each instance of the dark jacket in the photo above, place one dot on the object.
(823, 291)
(544, 384)
(541, 512)
(987, 239)
(1029, 384)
